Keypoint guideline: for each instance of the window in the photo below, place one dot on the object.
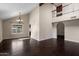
(59, 10)
(16, 29)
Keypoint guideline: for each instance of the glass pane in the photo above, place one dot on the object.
(13, 30)
(19, 29)
(16, 28)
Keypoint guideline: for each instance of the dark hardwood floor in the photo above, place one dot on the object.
(50, 47)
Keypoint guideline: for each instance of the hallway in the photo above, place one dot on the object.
(28, 47)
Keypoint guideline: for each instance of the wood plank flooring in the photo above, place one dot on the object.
(50, 47)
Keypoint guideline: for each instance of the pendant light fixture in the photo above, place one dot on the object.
(19, 20)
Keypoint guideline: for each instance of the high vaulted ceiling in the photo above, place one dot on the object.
(57, 4)
(8, 10)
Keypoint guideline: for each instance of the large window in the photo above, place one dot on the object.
(16, 29)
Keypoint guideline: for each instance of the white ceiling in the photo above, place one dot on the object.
(57, 4)
(8, 10)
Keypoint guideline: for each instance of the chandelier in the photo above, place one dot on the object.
(19, 20)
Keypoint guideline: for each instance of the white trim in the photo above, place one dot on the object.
(46, 39)
(56, 38)
(72, 40)
(35, 39)
(41, 39)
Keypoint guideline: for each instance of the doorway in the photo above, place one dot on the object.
(60, 31)
(29, 30)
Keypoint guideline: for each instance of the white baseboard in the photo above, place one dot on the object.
(72, 40)
(45, 38)
(56, 38)
(34, 39)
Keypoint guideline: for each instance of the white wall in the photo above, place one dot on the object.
(34, 21)
(7, 34)
(46, 28)
(72, 26)
(69, 15)
(42, 27)
(32, 18)
(72, 31)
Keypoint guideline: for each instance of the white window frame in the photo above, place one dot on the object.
(16, 29)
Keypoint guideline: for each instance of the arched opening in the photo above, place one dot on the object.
(60, 31)
(60, 37)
